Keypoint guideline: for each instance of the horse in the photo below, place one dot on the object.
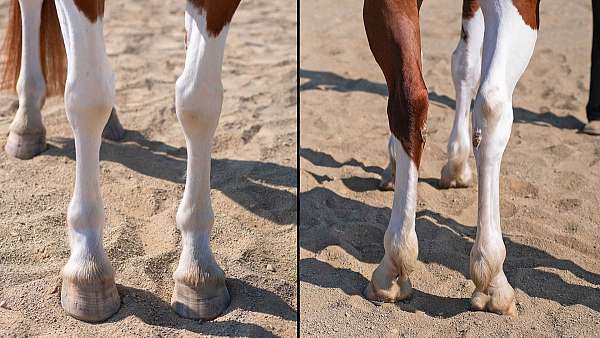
(55, 47)
(496, 43)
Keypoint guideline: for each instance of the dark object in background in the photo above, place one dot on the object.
(593, 106)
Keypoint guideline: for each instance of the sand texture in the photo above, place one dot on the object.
(550, 185)
(253, 180)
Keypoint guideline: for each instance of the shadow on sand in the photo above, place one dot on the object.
(252, 179)
(152, 310)
(328, 219)
(251, 182)
(323, 80)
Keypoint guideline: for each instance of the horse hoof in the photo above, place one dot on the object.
(91, 301)
(200, 303)
(398, 290)
(113, 130)
(25, 146)
(496, 300)
(454, 178)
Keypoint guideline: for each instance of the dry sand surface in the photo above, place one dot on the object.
(253, 179)
(550, 184)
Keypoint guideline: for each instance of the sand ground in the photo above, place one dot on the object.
(550, 185)
(253, 180)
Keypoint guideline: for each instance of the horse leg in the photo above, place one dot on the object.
(200, 291)
(509, 40)
(466, 70)
(393, 33)
(88, 289)
(27, 135)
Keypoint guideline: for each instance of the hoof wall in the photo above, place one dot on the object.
(91, 302)
(25, 147)
(398, 291)
(199, 303)
(113, 130)
(454, 180)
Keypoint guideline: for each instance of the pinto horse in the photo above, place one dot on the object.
(496, 44)
(53, 47)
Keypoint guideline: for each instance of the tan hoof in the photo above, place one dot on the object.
(90, 301)
(25, 146)
(203, 303)
(399, 290)
(454, 179)
(113, 130)
(496, 300)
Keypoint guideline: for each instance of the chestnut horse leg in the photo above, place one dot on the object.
(509, 40)
(392, 28)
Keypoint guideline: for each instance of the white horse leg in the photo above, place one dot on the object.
(508, 45)
(88, 289)
(390, 281)
(200, 291)
(466, 70)
(27, 136)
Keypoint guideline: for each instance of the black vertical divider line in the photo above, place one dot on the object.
(298, 168)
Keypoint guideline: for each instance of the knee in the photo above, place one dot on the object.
(407, 113)
(198, 104)
(88, 101)
(492, 103)
(420, 100)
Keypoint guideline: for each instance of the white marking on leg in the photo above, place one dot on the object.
(199, 96)
(27, 132)
(89, 291)
(89, 96)
(466, 70)
(390, 281)
(508, 46)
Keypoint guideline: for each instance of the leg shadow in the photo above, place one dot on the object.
(320, 80)
(322, 159)
(328, 219)
(324, 80)
(252, 180)
(154, 311)
(319, 273)
(355, 183)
